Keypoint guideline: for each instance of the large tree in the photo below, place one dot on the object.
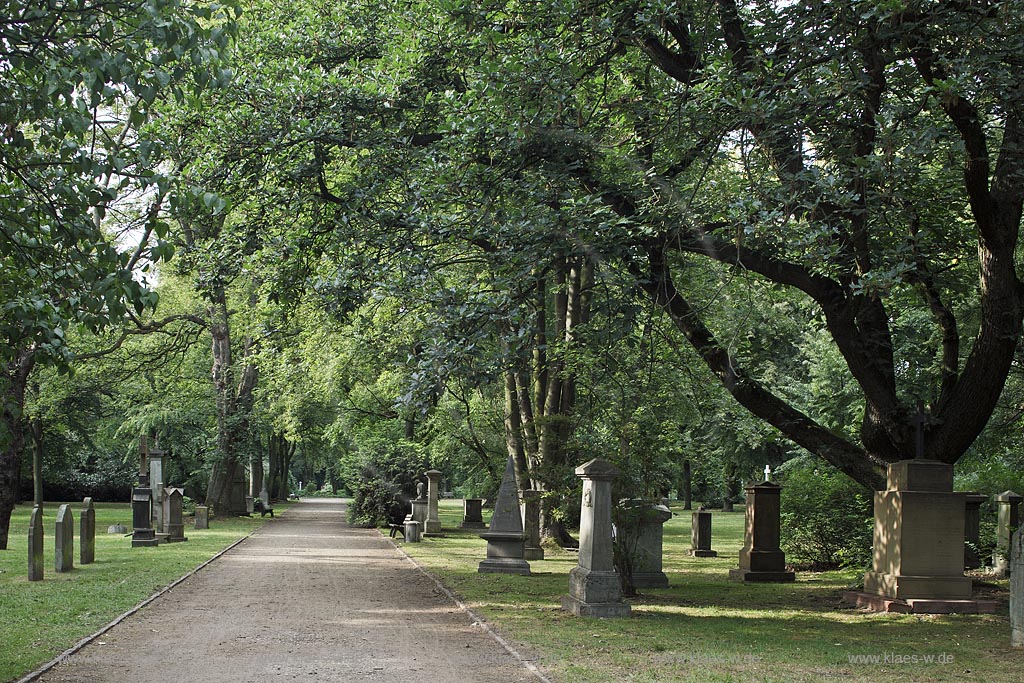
(80, 78)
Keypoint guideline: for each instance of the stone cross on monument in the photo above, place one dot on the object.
(767, 472)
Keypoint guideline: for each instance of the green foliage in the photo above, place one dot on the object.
(382, 476)
(826, 517)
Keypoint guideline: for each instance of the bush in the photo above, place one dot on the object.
(386, 480)
(827, 518)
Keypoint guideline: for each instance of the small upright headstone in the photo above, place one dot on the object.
(87, 533)
(532, 549)
(143, 535)
(412, 531)
(594, 587)
(35, 545)
(64, 540)
(250, 505)
(647, 547)
(174, 527)
(972, 529)
(432, 525)
(472, 514)
(117, 529)
(1008, 507)
(761, 558)
(202, 517)
(700, 534)
(505, 536)
(156, 483)
(1017, 590)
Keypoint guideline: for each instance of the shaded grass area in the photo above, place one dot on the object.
(705, 628)
(42, 619)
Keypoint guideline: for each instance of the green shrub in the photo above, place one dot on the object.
(827, 518)
(386, 480)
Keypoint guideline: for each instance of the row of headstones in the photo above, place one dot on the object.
(64, 539)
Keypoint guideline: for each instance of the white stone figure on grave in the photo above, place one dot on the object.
(767, 472)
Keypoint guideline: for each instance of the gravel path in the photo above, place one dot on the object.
(305, 598)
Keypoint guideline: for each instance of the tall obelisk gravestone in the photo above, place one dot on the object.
(505, 537)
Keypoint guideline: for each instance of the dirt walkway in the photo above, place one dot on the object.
(305, 598)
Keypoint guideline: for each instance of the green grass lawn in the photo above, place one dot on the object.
(705, 628)
(42, 619)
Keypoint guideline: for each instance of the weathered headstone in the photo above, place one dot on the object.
(700, 534)
(64, 540)
(1008, 509)
(419, 512)
(35, 545)
(250, 505)
(117, 529)
(594, 588)
(432, 525)
(1017, 590)
(761, 558)
(472, 514)
(505, 536)
(143, 535)
(174, 526)
(87, 533)
(156, 483)
(412, 531)
(647, 546)
(202, 517)
(530, 508)
(918, 558)
(972, 529)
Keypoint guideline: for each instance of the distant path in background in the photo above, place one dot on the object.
(304, 598)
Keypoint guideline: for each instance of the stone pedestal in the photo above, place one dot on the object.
(64, 540)
(972, 529)
(432, 525)
(594, 588)
(1017, 590)
(1008, 509)
(412, 531)
(202, 517)
(647, 546)
(505, 536)
(472, 514)
(419, 512)
(35, 545)
(761, 558)
(918, 558)
(87, 533)
(143, 535)
(530, 510)
(700, 534)
(174, 526)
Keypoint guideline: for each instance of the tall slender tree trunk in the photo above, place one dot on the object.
(686, 486)
(12, 435)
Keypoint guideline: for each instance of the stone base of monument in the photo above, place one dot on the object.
(432, 529)
(703, 553)
(751, 576)
(533, 553)
(472, 525)
(143, 538)
(650, 580)
(881, 603)
(176, 533)
(762, 566)
(504, 554)
(594, 594)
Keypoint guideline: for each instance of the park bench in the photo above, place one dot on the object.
(259, 507)
(396, 522)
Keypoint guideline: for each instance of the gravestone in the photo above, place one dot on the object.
(700, 534)
(761, 558)
(174, 526)
(1017, 590)
(202, 517)
(972, 529)
(1008, 508)
(250, 505)
(412, 531)
(35, 545)
(505, 536)
(117, 529)
(143, 535)
(156, 483)
(419, 512)
(432, 525)
(647, 547)
(594, 588)
(64, 540)
(918, 556)
(472, 513)
(530, 509)
(87, 533)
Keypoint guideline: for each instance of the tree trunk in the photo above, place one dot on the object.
(12, 436)
(686, 486)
